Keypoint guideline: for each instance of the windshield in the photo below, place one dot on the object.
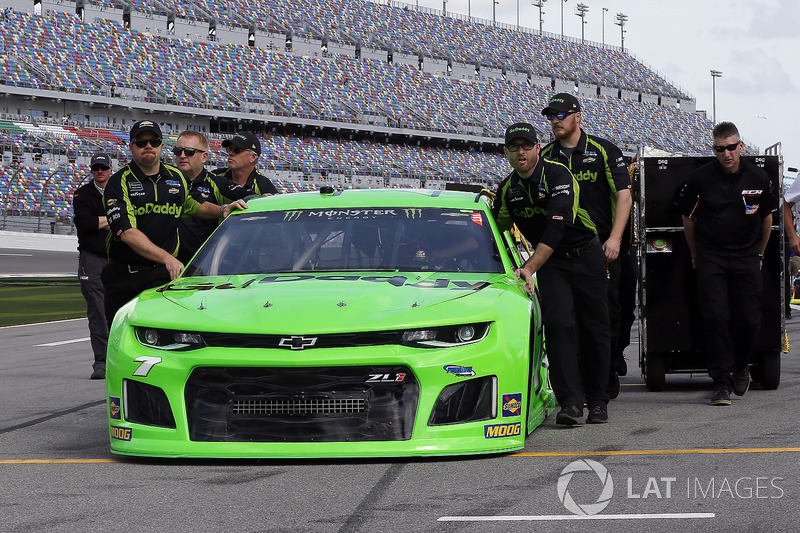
(393, 239)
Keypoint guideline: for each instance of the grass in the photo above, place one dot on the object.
(29, 300)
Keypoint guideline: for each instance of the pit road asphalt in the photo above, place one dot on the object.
(666, 461)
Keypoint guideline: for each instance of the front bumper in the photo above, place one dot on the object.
(338, 402)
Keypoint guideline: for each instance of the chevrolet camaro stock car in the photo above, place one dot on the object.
(362, 323)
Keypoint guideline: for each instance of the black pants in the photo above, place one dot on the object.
(628, 277)
(614, 269)
(121, 285)
(574, 299)
(90, 267)
(729, 300)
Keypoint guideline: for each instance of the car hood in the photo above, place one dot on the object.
(323, 302)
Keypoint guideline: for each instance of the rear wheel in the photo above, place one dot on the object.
(654, 371)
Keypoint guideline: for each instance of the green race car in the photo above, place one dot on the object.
(363, 323)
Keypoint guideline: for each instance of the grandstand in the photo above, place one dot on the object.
(352, 93)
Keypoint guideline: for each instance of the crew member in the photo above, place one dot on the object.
(191, 153)
(792, 247)
(244, 149)
(92, 225)
(143, 201)
(602, 173)
(542, 198)
(727, 207)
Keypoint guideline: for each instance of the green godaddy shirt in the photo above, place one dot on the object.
(151, 204)
(545, 207)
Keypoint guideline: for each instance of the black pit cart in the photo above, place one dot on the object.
(670, 329)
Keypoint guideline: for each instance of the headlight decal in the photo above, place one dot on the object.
(446, 336)
(170, 340)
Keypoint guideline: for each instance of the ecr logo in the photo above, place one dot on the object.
(121, 433)
(497, 431)
(585, 465)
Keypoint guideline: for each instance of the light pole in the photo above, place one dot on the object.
(604, 25)
(494, 11)
(714, 75)
(581, 10)
(444, 7)
(562, 17)
(539, 4)
(622, 18)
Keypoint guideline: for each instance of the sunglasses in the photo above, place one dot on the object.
(99, 167)
(560, 116)
(141, 143)
(236, 150)
(729, 147)
(527, 146)
(178, 150)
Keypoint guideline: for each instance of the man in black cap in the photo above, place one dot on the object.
(92, 225)
(191, 153)
(143, 201)
(542, 198)
(602, 173)
(244, 149)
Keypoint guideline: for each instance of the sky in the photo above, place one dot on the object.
(750, 41)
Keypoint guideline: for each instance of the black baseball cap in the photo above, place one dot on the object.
(145, 125)
(521, 130)
(244, 140)
(100, 158)
(562, 103)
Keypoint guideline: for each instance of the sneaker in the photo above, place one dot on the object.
(598, 414)
(721, 396)
(741, 381)
(623, 367)
(100, 373)
(570, 416)
(613, 386)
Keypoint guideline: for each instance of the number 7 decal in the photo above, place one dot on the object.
(147, 364)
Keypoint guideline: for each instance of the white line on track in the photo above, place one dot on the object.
(59, 343)
(557, 517)
(42, 323)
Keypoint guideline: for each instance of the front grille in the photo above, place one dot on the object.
(328, 340)
(297, 407)
(318, 404)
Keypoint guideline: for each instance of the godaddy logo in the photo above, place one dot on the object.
(519, 128)
(560, 100)
(586, 175)
(171, 209)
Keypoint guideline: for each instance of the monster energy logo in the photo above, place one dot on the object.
(288, 216)
(413, 213)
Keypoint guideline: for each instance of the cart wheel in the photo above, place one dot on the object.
(654, 370)
(770, 370)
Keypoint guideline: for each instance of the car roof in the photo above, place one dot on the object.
(370, 198)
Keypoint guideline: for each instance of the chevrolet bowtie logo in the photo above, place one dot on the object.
(297, 343)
